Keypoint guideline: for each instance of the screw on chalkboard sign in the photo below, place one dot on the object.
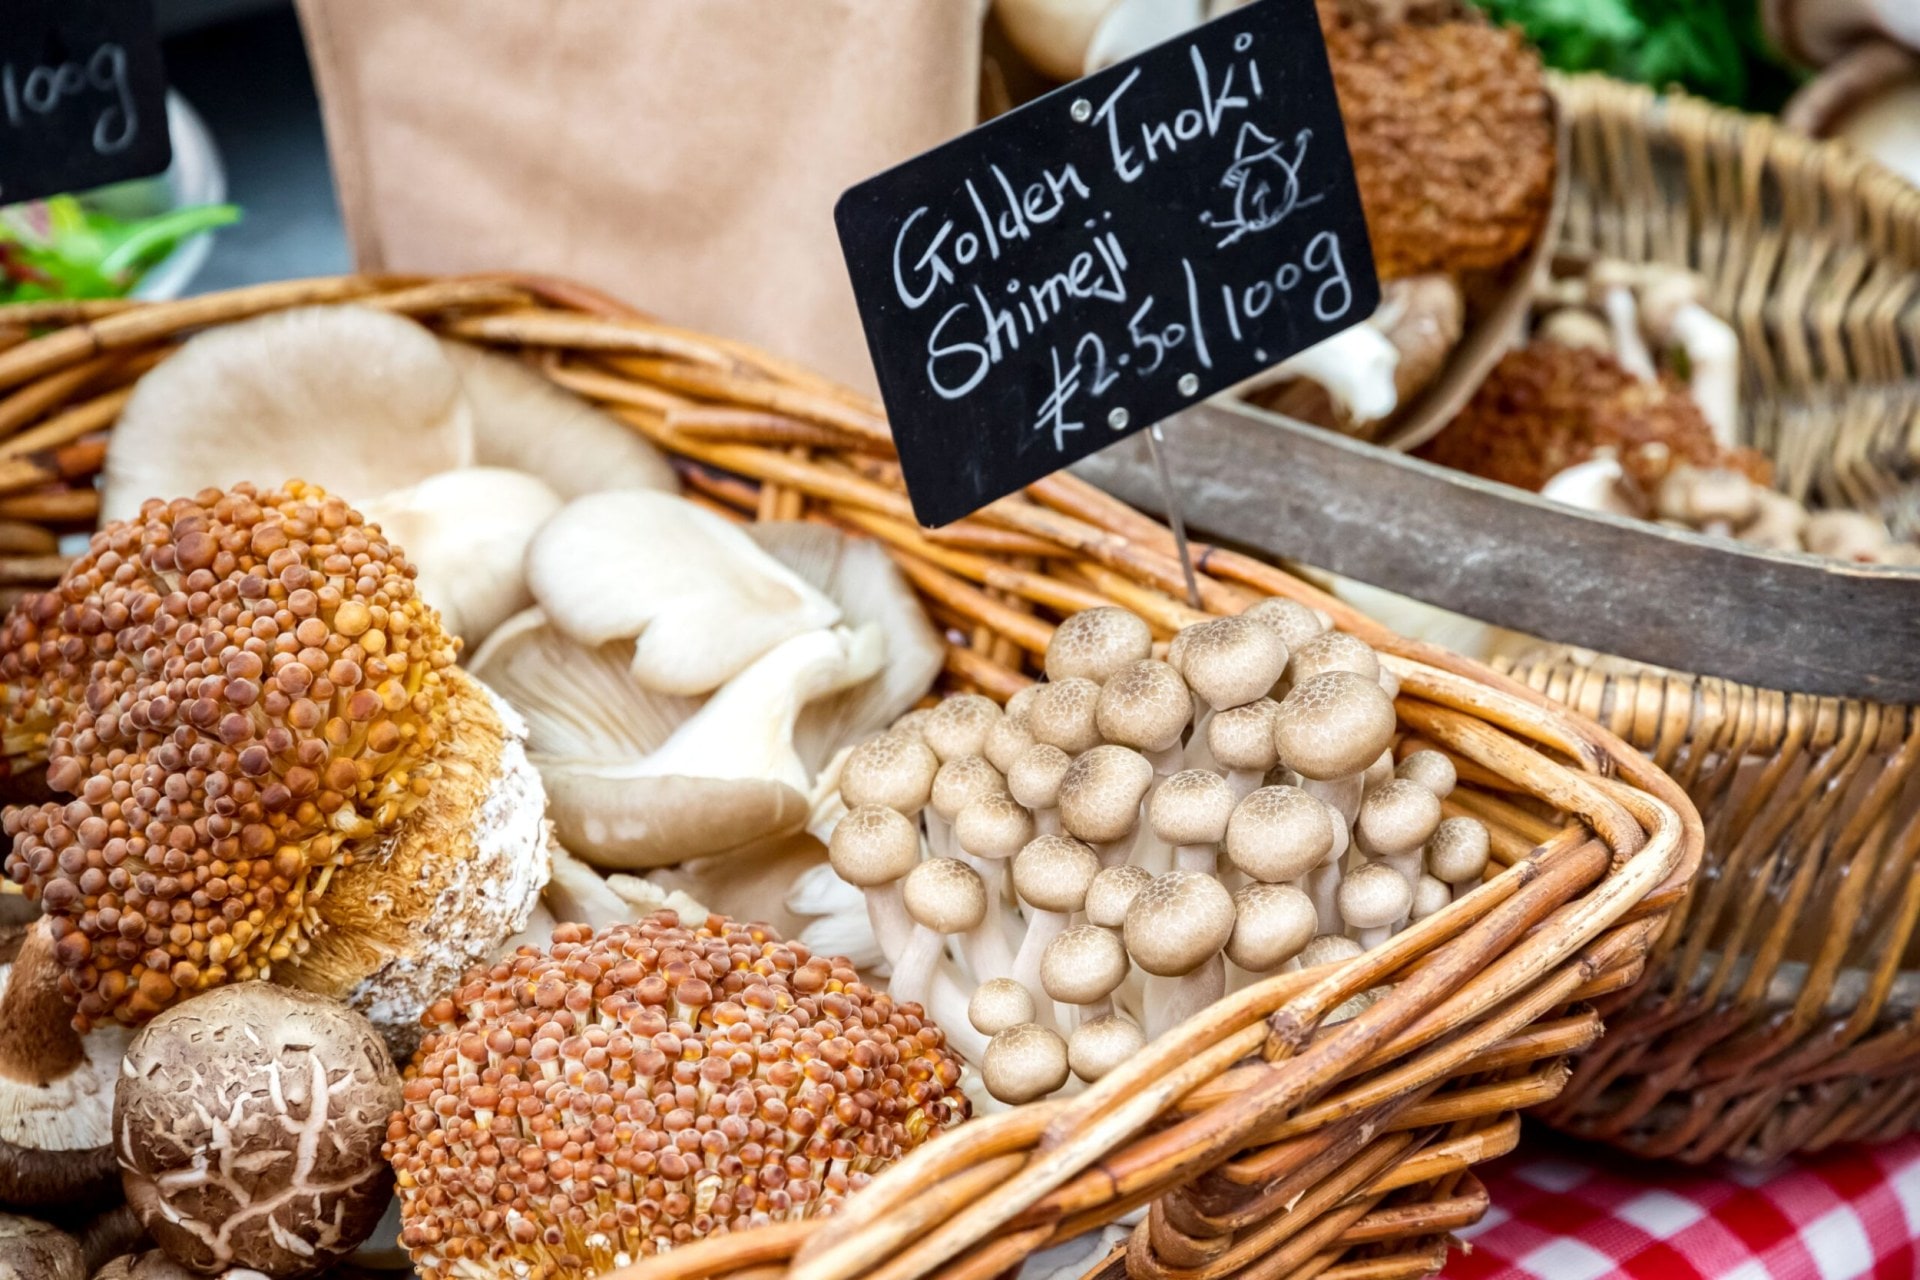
(1094, 262)
(82, 96)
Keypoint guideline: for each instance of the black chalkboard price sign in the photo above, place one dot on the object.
(1101, 258)
(82, 96)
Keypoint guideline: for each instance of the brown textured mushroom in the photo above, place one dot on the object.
(1096, 643)
(31, 1250)
(56, 1087)
(586, 1066)
(248, 1122)
(249, 705)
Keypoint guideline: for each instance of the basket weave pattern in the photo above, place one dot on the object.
(1780, 1012)
(1265, 1143)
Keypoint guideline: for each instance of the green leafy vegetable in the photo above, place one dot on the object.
(1713, 48)
(60, 248)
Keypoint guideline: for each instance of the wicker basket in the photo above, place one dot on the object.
(1266, 1144)
(1781, 1011)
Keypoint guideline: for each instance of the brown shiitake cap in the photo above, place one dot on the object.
(1113, 891)
(960, 782)
(1191, 807)
(873, 845)
(1084, 964)
(1458, 850)
(893, 769)
(1101, 793)
(1334, 651)
(1329, 948)
(708, 1070)
(1097, 1047)
(1271, 923)
(1333, 725)
(946, 895)
(1064, 715)
(1230, 662)
(1024, 1063)
(993, 826)
(1095, 643)
(1241, 738)
(1178, 922)
(1293, 622)
(1144, 705)
(1431, 769)
(31, 1250)
(234, 1079)
(959, 726)
(1429, 896)
(1278, 834)
(1373, 895)
(1053, 873)
(235, 689)
(1396, 817)
(1034, 780)
(1008, 738)
(998, 1004)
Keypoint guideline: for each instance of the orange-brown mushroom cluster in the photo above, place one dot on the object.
(622, 1092)
(1547, 407)
(1449, 125)
(233, 688)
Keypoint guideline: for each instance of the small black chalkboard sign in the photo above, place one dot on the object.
(82, 96)
(1101, 258)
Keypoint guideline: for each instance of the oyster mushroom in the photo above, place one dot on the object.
(480, 1084)
(355, 400)
(249, 1122)
(468, 532)
(56, 1087)
(278, 720)
(697, 597)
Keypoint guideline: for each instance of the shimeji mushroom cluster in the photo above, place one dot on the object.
(1061, 880)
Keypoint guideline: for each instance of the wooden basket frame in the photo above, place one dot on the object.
(1266, 1143)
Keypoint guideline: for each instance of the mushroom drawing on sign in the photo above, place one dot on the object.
(1257, 204)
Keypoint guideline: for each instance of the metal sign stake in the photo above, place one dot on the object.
(1174, 519)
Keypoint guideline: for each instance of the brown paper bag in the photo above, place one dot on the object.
(683, 155)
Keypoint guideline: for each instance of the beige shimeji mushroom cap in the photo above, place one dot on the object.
(1294, 623)
(1144, 705)
(1112, 893)
(873, 845)
(1192, 807)
(945, 895)
(959, 726)
(1101, 793)
(1230, 662)
(1333, 651)
(1096, 643)
(1024, 1062)
(1278, 834)
(1083, 965)
(1178, 922)
(1271, 924)
(1373, 896)
(1333, 725)
(998, 1004)
(960, 782)
(1035, 777)
(892, 770)
(993, 826)
(1097, 1047)
(1053, 873)
(1431, 769)
(1064, 714)
(1241, 738)
(1458, 851)
(1396, 817)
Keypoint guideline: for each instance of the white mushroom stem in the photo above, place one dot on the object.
(1323, 882)
(1042, 927)
(1204, 858)
(1342, 794)
(985, 946)
(1622, 312)
(1713, 358)
(1410, 866)
(1171, 1001)
(913, 972)
(948, 1010)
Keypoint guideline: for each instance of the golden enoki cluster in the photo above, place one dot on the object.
(624, 1092)
(239, 686)
(1452, 138)
(1546, 407)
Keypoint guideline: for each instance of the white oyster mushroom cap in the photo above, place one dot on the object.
(998, 1004)
(1096, 643)
(699, 597)
(1024, 1062)
(355, 400)
(1097, 1047)
(467, 533)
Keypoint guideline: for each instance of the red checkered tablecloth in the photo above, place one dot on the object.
(1566, 1212)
